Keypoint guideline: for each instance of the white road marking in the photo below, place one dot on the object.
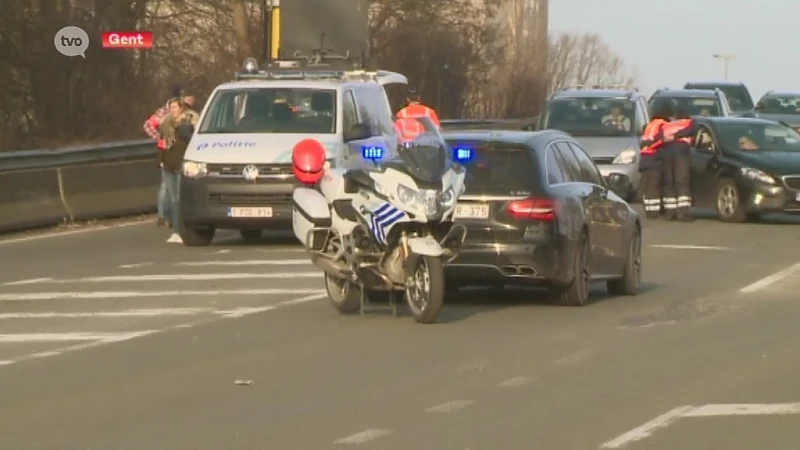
(452, 406)
(771, 279)
(244, 311)
(249, 262)
(61, 337)
(643, 431)
(689, 247)
(44, 354)
(363, 437)
(71, 232)
(222, 252)
(573, 358)
(305, 299)
(154, 312)
(134, 266)
(33, 296)
(712, 410)
(171, 277)
(744, 409)
(6, 362)
(516, 381)
(30, 281)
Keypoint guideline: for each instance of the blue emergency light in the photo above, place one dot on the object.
(463, 154)
(372, 152)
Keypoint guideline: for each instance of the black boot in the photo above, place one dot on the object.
(684, 216)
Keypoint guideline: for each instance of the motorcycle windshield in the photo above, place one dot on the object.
(424, 155)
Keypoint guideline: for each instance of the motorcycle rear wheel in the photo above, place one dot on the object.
(426, 298)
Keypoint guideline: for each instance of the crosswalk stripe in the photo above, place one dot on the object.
(170, 277)
(32, 296)
(248, 262)
(61, 337)
(153, 312)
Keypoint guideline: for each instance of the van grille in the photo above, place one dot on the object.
(250, 199)
(278, 171)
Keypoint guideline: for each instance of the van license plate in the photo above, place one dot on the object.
(472, 211)
(250, 212)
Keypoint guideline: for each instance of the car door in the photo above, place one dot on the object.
(704, 163)
(608, 214)
(584, 190)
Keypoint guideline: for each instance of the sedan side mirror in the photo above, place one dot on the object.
(620, 184)
(358, 132)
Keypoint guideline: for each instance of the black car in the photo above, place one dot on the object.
(781, 107)
(738, 95)
(696, 102)
(745, 167)
(538, 212)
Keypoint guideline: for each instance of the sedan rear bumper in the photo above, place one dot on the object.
(523, 264)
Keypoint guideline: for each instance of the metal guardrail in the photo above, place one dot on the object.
(53, 186)
(49, 187)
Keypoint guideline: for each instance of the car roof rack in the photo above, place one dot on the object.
(619, 87)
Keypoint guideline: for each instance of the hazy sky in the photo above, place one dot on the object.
(671, 42)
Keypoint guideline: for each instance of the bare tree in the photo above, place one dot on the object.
(241, 26)
(585, 60)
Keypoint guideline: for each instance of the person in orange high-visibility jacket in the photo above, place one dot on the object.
(415, 108)
(676, 157)
(408, 128)
(650, 165)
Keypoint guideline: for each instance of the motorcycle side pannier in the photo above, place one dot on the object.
(311, 212)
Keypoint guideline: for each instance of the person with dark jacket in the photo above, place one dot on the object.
(677, 166)
(176, 141)
(650, 165)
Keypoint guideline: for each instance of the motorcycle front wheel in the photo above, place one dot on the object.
(344, 295)
(425, 296)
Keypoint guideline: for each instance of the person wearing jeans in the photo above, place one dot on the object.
(171, 159)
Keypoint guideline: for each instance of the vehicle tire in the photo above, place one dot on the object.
(426, 298)
(196, 237)
(632, 272)
(577, 292)
(729, 203)
(251, 235)
(343, 294)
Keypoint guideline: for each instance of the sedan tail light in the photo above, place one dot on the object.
(533, 208)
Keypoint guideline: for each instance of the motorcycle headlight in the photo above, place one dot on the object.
(406, 195)
(757, 175)
(193, 169)
(447, 198)
(425, 199)
(626, 157)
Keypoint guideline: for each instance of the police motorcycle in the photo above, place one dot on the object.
(381, 222)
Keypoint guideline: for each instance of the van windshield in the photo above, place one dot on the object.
(271, 110)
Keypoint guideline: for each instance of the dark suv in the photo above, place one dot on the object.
(781, 107)
(610, 139)
(696, 102)
(739, 97)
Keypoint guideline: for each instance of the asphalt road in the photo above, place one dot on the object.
(113, 339)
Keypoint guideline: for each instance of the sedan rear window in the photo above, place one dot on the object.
(498, 170)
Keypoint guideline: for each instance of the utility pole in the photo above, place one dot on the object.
(726, 58)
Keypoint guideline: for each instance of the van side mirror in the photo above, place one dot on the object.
(358, 132)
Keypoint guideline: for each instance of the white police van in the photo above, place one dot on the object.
(237, 171)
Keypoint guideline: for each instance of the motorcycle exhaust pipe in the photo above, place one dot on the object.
(333, 268)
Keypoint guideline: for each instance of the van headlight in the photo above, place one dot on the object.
(192, 169)
(626, 157)
(757, 175)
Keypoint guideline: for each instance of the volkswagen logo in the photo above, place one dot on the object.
(250, 172)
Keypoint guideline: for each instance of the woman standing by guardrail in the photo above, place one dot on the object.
(171, 159)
